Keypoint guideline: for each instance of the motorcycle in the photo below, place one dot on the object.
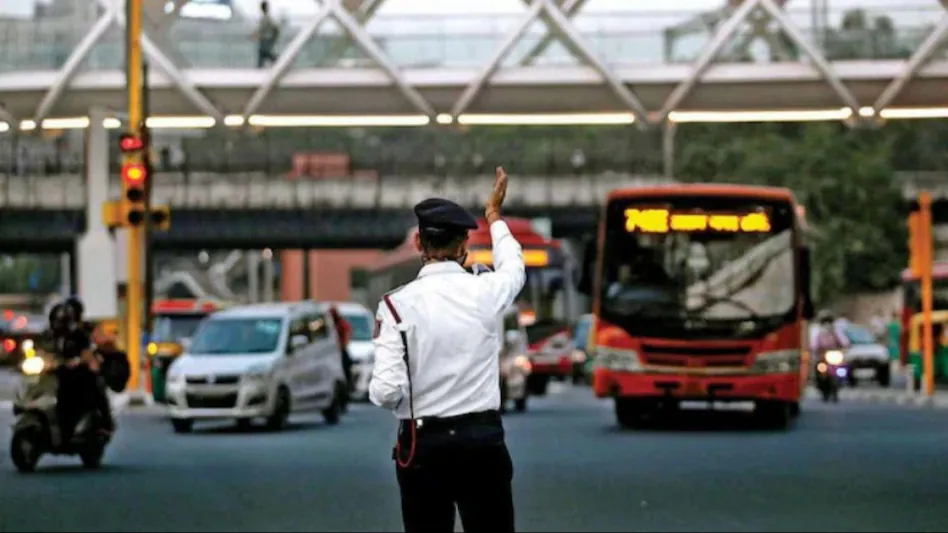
(38, 430)
(830, 375)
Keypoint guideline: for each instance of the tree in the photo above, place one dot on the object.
(842, 177)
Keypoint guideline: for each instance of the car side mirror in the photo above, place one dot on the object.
(806, 285)
(512, 337)
(297, 342)
(587, 267)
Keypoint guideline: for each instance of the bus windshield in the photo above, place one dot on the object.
(698, 263)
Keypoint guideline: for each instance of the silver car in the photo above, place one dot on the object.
(514, 363)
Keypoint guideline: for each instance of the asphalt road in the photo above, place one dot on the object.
(846, 467)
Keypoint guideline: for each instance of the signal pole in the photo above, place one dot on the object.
(136, 119)
(926, 260)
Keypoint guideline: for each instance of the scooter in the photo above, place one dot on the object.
(38, 430)
(830, 375)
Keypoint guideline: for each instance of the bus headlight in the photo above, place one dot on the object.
(618, 360)
(779, 362)
(834, 357)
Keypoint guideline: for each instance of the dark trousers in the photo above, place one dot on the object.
(80, 391)
(265, 53)
(460, 462)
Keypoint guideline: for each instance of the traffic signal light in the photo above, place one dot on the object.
(134, 177)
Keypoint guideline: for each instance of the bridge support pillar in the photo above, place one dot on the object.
(668, 149)
(96, 247)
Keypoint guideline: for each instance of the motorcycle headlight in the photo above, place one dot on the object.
(28, 348)
(33, 366)
(834, 357)
(618, 360)
(779, 362)
(579, 356)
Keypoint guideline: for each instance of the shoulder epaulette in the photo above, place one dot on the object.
(396, 289)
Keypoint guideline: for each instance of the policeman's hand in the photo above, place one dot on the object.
(496, 200)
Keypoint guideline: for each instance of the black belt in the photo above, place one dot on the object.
(435, 423)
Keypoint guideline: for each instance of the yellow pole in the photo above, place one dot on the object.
(133, 328)
(925, 233)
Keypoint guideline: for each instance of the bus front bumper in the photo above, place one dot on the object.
(736, 388)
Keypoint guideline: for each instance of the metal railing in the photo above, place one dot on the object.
(622, 38)
(259, 191)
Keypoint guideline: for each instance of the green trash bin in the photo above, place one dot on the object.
(160, 362)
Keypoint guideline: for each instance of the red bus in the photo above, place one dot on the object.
(700, 293)
(547, 301)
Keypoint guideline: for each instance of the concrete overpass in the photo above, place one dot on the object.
(253, 211)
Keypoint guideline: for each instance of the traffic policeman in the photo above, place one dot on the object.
(436, 368)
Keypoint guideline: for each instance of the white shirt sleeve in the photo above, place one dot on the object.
(509, 275)
(389, 383)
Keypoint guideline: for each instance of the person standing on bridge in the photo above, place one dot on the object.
(437, 369)
(267, 34)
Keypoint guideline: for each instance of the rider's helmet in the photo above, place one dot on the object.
(76, 304)
(825, 317)
(61, 318)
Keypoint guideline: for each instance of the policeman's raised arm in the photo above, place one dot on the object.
(509, 275)
(389, 383)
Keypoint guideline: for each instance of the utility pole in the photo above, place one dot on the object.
(134, 70)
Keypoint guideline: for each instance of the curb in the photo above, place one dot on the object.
(896, 398)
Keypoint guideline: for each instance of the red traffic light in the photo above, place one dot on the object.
(134, 173)
(130, 143)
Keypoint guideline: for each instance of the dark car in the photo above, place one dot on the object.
(18, 337)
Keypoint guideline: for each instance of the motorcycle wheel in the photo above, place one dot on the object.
(25, 450)
(91, 456)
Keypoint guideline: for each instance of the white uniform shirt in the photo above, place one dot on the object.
(450, 317)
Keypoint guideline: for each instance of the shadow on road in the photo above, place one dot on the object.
(695, 421)
(255, 429)
(69, 469)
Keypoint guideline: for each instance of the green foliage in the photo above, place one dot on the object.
(842, 177)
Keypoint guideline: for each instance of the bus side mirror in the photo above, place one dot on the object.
(587, 268)
(806, 284)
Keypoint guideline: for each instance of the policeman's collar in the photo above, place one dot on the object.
(442, 267)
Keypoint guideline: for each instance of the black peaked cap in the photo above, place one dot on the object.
(438, 213)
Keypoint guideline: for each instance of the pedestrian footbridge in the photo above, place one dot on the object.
(556, 62)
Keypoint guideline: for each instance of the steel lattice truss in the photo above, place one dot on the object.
(746, 20)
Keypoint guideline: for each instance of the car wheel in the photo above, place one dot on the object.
(883, 375)
(281, 410)
(182, 425)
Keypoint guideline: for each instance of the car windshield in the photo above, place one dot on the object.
(859, 335)
(173, 328)
(231, 336)
(361, 326)
(699, 260)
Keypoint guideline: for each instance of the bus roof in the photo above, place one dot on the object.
(709, 189)
(521, 228)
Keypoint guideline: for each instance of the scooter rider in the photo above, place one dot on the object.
(81, 387)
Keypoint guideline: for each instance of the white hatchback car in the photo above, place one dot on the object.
(258, 361)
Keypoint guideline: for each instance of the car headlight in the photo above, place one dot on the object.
(33, 366)
(618, 360)
(256, 374)
(175, 378)
(28, 348)
(779, 362)
(834, 357)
